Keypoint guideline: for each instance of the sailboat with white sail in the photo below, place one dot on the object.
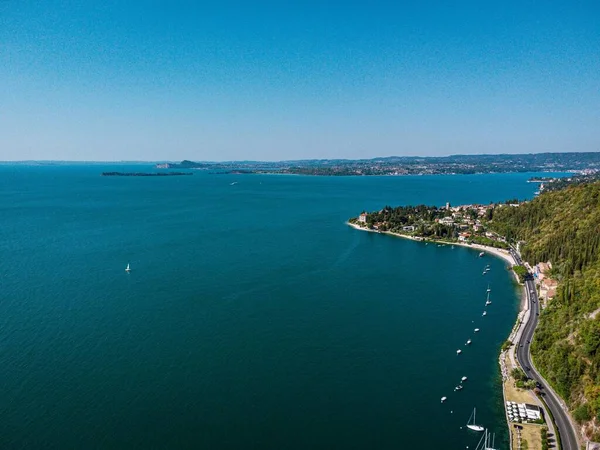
(487, 441)
(488, 301)
(471, 425)
(127, 269)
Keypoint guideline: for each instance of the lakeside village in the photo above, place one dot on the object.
(467, 225)
(463, 223)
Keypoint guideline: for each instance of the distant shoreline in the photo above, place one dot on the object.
(145, 174)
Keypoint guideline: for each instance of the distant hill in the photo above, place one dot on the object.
(409, 165)
(563, 227)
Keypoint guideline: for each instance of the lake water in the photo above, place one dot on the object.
(253, 316)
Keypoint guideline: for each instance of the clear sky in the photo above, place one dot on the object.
(223, 80)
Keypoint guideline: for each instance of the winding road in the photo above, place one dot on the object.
(565, 428)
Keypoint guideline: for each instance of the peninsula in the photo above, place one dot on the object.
(464, 224)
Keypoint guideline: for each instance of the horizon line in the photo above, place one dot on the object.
(162, 161)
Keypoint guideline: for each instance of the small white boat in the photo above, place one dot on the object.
(443, 399)
(488, 289)
(484, 313)
(484, 272)
(127, 269)
(471, 423)
(476, 330)
(458, 352)
(463, 379)
(468, 342)
(488, 301)
(481, 254)
(458, 388)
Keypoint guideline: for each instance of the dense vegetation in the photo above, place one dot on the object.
(406, 215)
(561, 183)
(563, 227)
(521, 272)
(424, 221)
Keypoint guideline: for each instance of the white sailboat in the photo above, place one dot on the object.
(488, 289)
(476, 330)
(487, 441)
(488, 301)
(127, 269)
(458, 352)
(484, 313)
(491, 441)
(471, 425)
(468, 342)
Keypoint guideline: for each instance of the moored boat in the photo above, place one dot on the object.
(471, 423)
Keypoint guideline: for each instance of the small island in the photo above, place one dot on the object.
(144, 174)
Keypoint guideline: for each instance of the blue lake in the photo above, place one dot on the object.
(253, 316)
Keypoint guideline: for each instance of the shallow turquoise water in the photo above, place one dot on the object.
(253, 317)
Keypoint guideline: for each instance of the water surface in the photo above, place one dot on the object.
(253, 316)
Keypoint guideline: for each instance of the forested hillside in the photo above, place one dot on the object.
(563, 227)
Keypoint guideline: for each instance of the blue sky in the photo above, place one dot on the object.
(158, 80)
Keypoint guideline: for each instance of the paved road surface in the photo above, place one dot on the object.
(564, 425)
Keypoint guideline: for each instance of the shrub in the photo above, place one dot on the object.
(582, 413)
